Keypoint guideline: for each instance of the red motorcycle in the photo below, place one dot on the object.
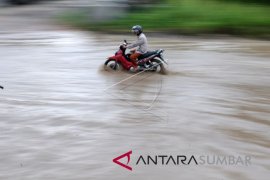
(151, 61)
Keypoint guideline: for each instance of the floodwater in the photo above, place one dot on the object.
(63, 117)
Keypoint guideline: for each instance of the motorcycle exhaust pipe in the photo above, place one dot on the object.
(142, 61)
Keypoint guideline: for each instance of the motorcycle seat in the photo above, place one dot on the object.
(147, 54)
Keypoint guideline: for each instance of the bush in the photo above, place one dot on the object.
(251, 1)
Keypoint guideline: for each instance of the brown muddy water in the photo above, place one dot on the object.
(63, 117)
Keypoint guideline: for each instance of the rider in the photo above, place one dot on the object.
(141, 43)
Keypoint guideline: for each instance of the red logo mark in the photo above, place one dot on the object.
(116, 160)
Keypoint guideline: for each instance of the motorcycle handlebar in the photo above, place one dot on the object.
(125, 41)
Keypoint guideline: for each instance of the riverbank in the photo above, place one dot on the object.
(189, 17)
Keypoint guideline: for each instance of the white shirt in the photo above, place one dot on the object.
(141, 43)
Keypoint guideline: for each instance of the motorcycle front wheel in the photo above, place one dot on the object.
(112, 64)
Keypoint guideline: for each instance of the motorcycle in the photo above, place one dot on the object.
(151, 61)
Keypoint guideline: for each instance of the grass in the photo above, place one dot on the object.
(189, 17)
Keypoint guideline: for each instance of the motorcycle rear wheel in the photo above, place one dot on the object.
(158, 66)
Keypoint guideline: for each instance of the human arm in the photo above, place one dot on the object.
(139, 42)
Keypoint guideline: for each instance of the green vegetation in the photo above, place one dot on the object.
(189, 17)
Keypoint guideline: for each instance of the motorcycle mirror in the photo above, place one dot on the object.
(125, 41)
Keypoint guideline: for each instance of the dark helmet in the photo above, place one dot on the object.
(137, 29)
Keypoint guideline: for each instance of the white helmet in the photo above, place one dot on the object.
(137, 29)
